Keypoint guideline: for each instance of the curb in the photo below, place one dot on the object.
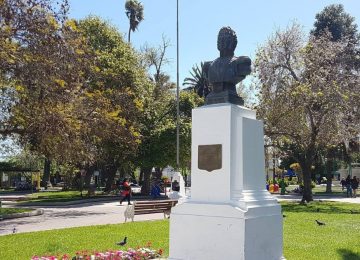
(65, 203)
(82, 201)
(23, 215)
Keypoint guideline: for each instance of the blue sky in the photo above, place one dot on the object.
(200, 20)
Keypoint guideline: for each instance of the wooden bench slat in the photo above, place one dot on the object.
(156, 202)
(148, 211)
(144, 209)
(158, 207)
(152, 205)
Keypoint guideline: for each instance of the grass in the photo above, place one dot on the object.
(338, 239)
(321, 190)
(56, 196)
(303, 238)
(6, 211)
(84, 238)
(7, 190)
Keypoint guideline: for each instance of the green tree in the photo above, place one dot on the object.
(342, 27)
(158, 120)
(112, 102)
(306, 97)
(135, 13)
(339, 23)
(198, 81)
(158, 148)
(42, 60)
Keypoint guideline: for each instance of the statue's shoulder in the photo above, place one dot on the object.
(243, 65)
(243, 60)
(206, 65)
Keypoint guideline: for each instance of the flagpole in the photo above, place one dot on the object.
(177, 87)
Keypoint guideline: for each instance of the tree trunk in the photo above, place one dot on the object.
(145, 190)
(129, 34)
(307, 191)
(46, 175)
(89, 172)
(110, 174)
(329, 176)
(141, 177)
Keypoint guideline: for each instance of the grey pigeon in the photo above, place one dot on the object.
(320, 223)
(122, 243)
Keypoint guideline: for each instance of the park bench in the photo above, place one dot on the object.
(149, 207)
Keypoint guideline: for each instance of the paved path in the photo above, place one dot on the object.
(88, 214)
(97, 213)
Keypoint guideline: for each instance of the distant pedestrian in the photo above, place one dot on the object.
(354, 185)
(343, 183)
(282, 186)
(126, 192)
(155, 191)
(348, 186)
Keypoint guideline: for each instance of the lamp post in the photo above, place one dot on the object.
(177, 86)
(274, 164)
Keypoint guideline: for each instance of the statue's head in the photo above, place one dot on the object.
(227, 41)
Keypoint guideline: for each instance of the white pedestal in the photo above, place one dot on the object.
(230, 215)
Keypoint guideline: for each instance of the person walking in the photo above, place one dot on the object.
(348, 186)
(343, 183)
(126, 193)
(354, 185)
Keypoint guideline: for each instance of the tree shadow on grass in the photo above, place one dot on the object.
(347, 254)
(319, 207)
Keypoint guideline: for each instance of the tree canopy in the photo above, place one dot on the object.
(135, 13)
(70, 91)
(43, 60)
(339, 23)
(306, 96)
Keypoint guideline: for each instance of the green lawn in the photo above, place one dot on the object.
(84, 238)
(303, 238)
(321, 190)
(338, 239)
(7, 190)
(5, 211)
(54, 196)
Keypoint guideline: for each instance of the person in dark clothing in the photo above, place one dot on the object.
(348, 186)
(126, 193)
(354, 185)
(343, 183)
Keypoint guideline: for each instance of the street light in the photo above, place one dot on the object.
(177, 86)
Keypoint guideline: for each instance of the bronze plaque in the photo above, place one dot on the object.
(210, 157)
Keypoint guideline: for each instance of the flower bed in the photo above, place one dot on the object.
(142, 253)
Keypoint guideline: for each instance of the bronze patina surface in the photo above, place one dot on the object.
(226, 71)
(210, 157)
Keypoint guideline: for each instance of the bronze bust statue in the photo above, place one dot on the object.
(226, 71)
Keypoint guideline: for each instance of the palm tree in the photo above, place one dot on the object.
(198, 81)
(135, 13)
